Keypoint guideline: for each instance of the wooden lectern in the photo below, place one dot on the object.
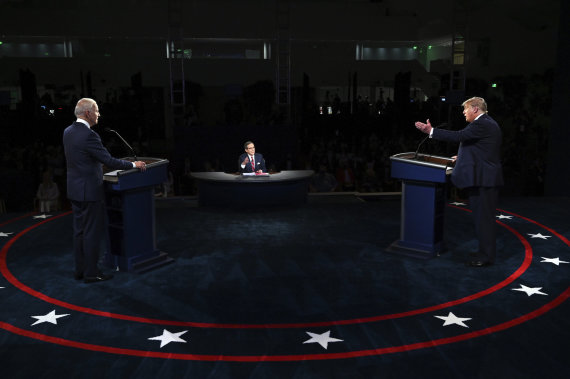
(129, 196)
(423, 203)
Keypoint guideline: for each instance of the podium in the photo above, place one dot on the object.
(129, 196)
(423, 203)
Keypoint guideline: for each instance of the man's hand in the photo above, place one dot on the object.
(245, 161)
(140, 165)
(426, 128)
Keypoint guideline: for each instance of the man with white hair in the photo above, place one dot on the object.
(85, 156)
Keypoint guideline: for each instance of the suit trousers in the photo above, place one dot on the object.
(88, 233)
(483, 204)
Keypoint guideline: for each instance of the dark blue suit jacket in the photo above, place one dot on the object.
(478, 159)
(259, 163)
(85, 155)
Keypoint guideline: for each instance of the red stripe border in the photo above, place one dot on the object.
(299, 357)
(13, 280)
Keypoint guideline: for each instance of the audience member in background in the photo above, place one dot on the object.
(48, 194)
(345, 176)
(370, 181)
(323, 181)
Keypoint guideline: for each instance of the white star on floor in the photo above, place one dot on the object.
(168, 337)
(556, 261)
(530, 290)
(538, 235)
(451, 319)
(50, 317)
(500, 217)
(457, 203)
(42, 216)
(2, 234)
(321, 339)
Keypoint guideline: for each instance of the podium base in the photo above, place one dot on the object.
(149, 264)
(397, 248)
(138, 264)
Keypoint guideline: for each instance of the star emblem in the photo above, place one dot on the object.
(451, 319)
(2, 234)
(530, 290)
(50, 317)
(321, 339)
(168, 337)
(457, 203)
(42, 216)
(500, 217)
(538, 235)
(555, 261)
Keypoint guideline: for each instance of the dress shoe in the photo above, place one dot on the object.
(78, 276)
(478, 263)
(99, 278)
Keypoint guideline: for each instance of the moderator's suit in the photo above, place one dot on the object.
(478, 168)
(258, 160)
(85, 154)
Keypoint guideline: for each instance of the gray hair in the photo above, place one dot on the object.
(247, 143)
(83, 105)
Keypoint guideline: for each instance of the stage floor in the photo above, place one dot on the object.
(293, 292)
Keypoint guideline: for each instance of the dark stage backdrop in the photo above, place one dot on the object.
(558, 169)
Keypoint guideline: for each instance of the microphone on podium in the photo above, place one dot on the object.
(125, 142)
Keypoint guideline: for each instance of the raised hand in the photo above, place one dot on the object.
(426, 128)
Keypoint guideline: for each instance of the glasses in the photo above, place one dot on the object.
(250, 148)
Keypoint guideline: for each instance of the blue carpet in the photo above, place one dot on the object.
(296, 292)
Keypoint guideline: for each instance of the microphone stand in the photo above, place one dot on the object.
(441, 126)
(418, 149)
(125, 142)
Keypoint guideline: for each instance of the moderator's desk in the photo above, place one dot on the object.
(222, 189)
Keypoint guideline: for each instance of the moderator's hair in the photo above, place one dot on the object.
(85, 104)
(247, 143)
(478, 102)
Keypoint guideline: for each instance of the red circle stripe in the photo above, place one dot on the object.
(6, 272)
(283, 358)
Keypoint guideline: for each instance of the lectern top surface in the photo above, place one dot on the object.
(112, 176)
(424, 160)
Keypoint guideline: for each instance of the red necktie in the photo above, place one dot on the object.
(252, 164)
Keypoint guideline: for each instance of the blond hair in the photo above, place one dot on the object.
(478, 102)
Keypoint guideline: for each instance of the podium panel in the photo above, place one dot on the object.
(424, 179)
(129, 197)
